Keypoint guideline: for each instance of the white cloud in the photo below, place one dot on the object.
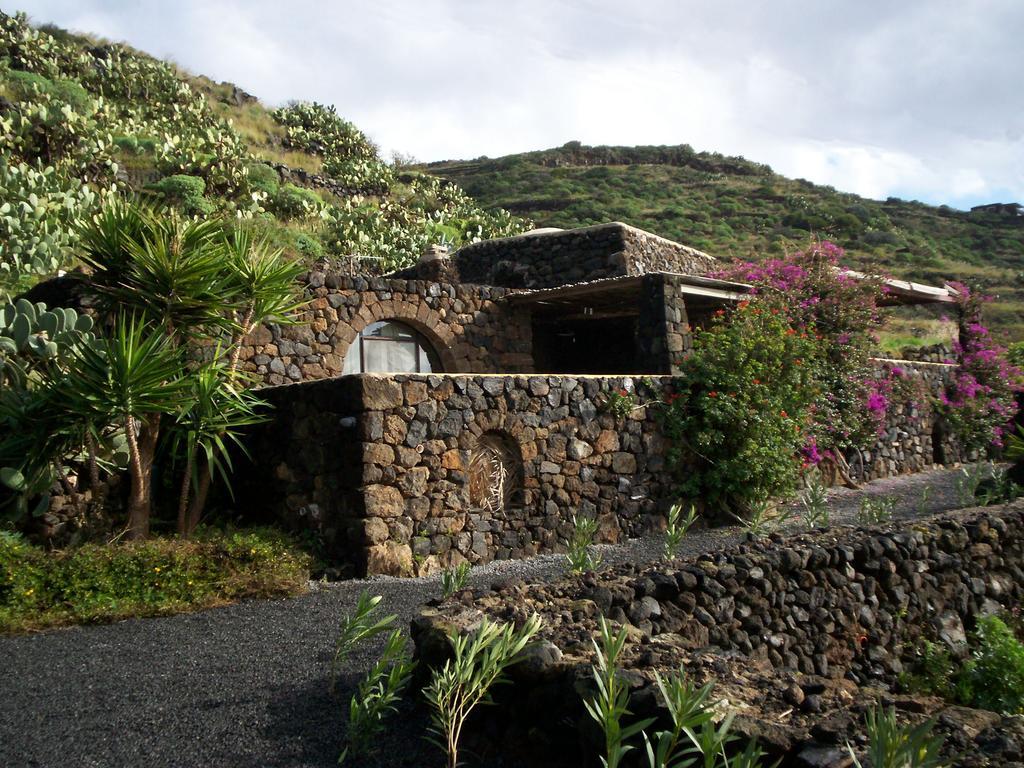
(919, 99)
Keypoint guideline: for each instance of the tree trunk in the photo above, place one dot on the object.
(94, 468)
(247, 328)
(195, 511)
(142, 447)
(186, 481)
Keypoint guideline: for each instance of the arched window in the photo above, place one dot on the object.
(390, 347)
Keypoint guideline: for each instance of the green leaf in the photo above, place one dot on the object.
(12, 478)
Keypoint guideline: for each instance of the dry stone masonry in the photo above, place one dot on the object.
(467, 326)
(490, 456)
(548, 259)
(806, 621)
(409, 473)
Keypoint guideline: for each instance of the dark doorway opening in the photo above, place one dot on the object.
(596, 346)
(938, 442)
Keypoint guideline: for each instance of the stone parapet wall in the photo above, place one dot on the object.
(424, 435)
(830, 609)
(552, 259)
(465, 324)
(936, 353)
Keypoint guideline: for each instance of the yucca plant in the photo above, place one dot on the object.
(160, 266)
(132, 377)
(204, 432)
(263, 284)
(478, 663)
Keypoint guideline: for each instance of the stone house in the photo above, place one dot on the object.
(456, 410)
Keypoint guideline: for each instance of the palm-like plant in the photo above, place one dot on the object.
(263, 284)
(204, 432)
(132, 377)
(163, 267)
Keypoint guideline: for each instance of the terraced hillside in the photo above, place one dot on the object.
(82, 119)
(732, 207)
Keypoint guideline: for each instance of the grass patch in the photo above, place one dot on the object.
(98, 583)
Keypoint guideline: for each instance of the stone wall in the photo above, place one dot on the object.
(385, 468)
(397, 472)
(303, 467)
(821, 614)
(469, 329)
(303, 178)
(551, 259)
(914, 437)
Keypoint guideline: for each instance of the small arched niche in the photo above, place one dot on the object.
(390, 346)
(495, 474)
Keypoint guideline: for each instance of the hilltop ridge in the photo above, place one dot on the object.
(733, 207)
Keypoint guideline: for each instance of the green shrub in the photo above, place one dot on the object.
(933, 672)
(104, 582)
(580, 555)
(736, 426)
(263, 178)
(189, 192)
(993, 678)
(479, 661)
(376, 699)
(454, 579)
(891, 745)
(292, 202)
(309, 247)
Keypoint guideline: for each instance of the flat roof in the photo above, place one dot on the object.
(695, 285)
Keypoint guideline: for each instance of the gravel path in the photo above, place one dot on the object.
(247, 685)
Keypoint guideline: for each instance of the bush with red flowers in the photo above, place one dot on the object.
(739, 417)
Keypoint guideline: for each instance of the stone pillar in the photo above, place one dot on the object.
(663, 337)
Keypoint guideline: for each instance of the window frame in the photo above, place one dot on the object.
(425, 351)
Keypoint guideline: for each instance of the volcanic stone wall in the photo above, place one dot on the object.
(551, 259)
(838, 608)
(410, 473)
(382, 468)
(466, 325)
(914, 437)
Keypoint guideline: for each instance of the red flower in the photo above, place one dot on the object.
(783, 414)
(712, 393)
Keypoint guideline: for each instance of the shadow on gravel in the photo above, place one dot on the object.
(306, 721)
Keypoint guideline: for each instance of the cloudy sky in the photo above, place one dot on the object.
(919, 99)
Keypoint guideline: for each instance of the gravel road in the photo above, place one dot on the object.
(247, 685)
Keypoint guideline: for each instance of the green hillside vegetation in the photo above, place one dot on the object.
(82, 119)
(735, 208)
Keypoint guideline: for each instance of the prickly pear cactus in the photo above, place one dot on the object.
(34, 338)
